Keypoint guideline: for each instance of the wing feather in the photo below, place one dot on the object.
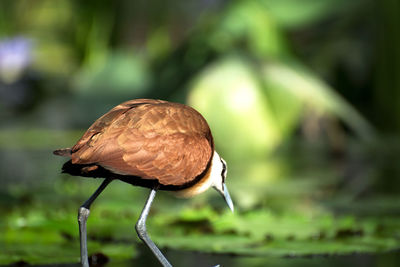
(152, 139)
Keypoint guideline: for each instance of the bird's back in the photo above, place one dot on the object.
(151, 139)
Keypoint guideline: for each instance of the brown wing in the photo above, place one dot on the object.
(152, 139)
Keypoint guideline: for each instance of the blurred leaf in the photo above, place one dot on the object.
(35, 138)
(248, 23)
(230, 97)
(264, 233)
(44, 17)
(315, 94)
(46, 231)
(123, 73)
(299, 13)
(62, 57)
(159, 43)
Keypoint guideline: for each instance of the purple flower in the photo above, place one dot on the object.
(15, 57)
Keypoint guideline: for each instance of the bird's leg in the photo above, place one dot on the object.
(83, 215)
(142, 232)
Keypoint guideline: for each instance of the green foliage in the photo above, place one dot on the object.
(314, 94)
(249, 22)
(30, 139)
(45, 233)
(297, 14)
(120, 73)
(229, 96)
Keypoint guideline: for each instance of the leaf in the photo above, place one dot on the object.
(316, 94)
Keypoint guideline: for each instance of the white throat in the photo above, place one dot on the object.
(212, 178)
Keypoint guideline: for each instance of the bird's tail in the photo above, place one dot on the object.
(63, 152)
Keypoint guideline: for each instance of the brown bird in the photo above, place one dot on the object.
(150, 143)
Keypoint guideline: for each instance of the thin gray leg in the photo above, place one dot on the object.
(142, 232)
(83, 215)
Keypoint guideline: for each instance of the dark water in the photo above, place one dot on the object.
(193, 259)
(200, 259)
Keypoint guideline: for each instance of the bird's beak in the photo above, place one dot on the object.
(227, 198)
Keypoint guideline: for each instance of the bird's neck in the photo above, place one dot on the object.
(211, 177)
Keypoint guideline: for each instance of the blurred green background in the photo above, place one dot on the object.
(302, 96)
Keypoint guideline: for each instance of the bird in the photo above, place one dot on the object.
(150, 143)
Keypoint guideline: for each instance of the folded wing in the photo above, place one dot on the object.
(152, 139)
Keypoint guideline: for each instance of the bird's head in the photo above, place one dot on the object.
(219, 172)
(215, 177)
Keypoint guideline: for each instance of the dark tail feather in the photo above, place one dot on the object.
(86, 170)
(63, 152)
(96, 171)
